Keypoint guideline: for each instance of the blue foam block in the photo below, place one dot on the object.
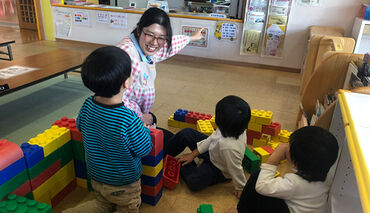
(152, 161)
(151, 200)
(80, 169)
(12, 170)
(151, 181)
(32, 154)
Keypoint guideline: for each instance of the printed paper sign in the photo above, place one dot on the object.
(118, 20)
(226, 30)
(102, 17)
(82, 18)
(14, 71)
(63, 23)
(190, 30)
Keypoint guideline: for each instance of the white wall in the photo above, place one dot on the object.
(339, 13)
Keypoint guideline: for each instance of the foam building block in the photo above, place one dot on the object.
(32, 154)
(152, 160)
(70, 124)
(251, 163)
(16, 203)
(172, 122)
(51, 139)
(150, 199)
(9, 152)
(152, 190)
(12, 170)
(205, 208)
(171, 172)
(180, 115)
(272, 129)
(156, 136)
(261, 154)
(205, 127)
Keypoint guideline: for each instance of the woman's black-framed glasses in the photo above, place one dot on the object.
(150, 36)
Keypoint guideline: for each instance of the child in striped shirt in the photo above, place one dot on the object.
(114, 137)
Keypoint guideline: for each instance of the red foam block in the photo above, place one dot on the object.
(171, 172)
(62, 194)
(156, 136)
(23, 190)
(70, 124)
(152, 190)
(45, 175)
(9, 152)
(272, 129)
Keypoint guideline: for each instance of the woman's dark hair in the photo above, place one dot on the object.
(105, 70)
(313, 151)
(232, 116)
(151, 16)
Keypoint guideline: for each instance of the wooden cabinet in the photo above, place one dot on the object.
(328, 73)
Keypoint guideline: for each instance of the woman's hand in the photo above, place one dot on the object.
(197, 35)
(147, 119)
(280, 153)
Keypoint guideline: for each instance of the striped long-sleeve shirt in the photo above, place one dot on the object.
(114, 140)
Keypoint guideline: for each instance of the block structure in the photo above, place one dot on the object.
(151, 179)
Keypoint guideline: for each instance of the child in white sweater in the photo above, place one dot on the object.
(313, 151)
(222, 152)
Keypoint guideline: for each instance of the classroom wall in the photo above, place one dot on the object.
(340, 13)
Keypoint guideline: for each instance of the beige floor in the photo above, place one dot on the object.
(197, 85)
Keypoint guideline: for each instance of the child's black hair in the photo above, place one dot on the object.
(232, 116)
(313, 151)
(105, 70)
(151, 16)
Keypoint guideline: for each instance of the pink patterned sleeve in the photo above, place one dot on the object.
(179, 42)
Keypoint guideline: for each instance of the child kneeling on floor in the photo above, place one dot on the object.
(313, 151)
(222, 152)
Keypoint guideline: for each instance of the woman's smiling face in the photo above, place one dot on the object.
(152, 39)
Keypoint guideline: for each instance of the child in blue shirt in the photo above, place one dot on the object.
(114, 137)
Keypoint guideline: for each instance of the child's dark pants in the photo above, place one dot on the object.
(197, 178)
(252, 202)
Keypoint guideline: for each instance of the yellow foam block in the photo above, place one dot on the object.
(284, 136)
(205, 127)
(55, 183)
(151, 170)
(213, 122)
(264, 117)
(81, 182)
(184, 125)
(261, 153)
(51, 139)
(255, 127)
(172, 122)
(258, 142)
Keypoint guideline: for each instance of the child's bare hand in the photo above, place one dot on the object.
(147, 119)
(280, 153)
(197, 35)
(237, 193)
(185, 158)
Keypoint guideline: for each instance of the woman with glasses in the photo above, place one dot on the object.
(149, 43)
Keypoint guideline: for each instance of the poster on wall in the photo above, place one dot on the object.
(190, 30)
(275, 35)
(118, 20)
(227, 31)
(81, 18)
(308, 2)
(63, 23)
(102, 17)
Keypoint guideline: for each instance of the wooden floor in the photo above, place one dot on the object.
(194, 85)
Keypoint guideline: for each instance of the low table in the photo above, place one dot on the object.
(9, 53)
(47, 65)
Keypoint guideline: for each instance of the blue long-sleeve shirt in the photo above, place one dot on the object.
(114, 140)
